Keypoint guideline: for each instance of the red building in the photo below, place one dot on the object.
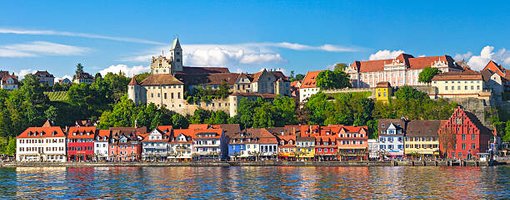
(326, 147)
(126, 144)
(80, 143)
(463, 136)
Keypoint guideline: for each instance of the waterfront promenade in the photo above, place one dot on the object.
(259, 163)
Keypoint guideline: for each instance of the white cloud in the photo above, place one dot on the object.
(129, 71)
(487, 53)
(73, 34)
(38, 48)
(385, 54)
(264, 53)
(22, 73)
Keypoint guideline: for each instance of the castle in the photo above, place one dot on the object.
(170, 84)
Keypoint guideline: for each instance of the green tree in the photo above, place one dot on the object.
(337, 79)
(408, 92)
(179, 121)
(10, 149)
(299, 77)
(427, 74)
(79, 69)
(506, 137)
(340, 66)
(51, 113)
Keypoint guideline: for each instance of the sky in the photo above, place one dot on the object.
(246, 36)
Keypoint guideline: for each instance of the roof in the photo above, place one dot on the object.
(200, 133)
(203, 70)
(4, 76)
(83, 75)
(176, 44)
(383, 124)
(406, 59)
(467, 74)
(424, 128)
(384, 84)
(42, 132)
(261, 95)
(133, 81)
(44, 74)
(495, 68)
(127, 130)
(104, 133)
(160, 79)
(80, 132)
(276, 74)
(229, 129)
(198, 126)
(310, 80)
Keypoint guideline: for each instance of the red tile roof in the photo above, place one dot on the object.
(133, 81)
(463, 75)
(408, 60)
(42, 132)
(160, 79)
(80, 132)
(310, 80)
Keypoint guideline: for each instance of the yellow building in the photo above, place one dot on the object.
(383, 92)
(421, 138)
(305, 148)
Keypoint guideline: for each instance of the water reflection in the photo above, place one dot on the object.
(256, 182)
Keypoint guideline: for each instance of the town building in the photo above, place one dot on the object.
(326, 147)
(65, 81)
(309, 86)
(170, 80)
(180, 145)
(126, 144)
(8, 81)
(421, 138)
(463, 136)
(305, 148)
(399, 71)
(209, 143)
(155, 145)
(294, 89)
(101, 145)
(391, 138)
(286, 137)
(352, 142)
(497, 80)
(41, 144)
(254, 143)
(83, 77)
(45, 78)
(373, 149)
(383, 92)
(80, 143)
(460, 84)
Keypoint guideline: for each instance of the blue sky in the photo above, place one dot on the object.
(245, 35)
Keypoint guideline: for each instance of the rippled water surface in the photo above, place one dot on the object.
(257, 182)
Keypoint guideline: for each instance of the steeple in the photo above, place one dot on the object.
(133, 81)
(176, 56)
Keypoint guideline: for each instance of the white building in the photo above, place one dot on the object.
(209, 144)
(8, 81)
(101, 145)
(155, 146)
(308, 86)
(41, 144)
(180, 145)
(391, 138)
(400, 71)
(462, 84)
(373, 149)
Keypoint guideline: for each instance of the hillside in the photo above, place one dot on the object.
(57, 96)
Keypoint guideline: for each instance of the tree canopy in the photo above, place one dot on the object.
(336, 79)
(427, 74)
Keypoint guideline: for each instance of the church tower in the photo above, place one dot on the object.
(176, 56)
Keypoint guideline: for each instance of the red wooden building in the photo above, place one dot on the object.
(80, 143)
(463, 136)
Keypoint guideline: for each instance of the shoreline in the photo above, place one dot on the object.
(259, 164)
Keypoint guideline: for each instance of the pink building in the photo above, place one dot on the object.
(400, 71)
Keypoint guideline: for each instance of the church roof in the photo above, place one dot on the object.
(176, 44)
(133, 81)
(160, 79)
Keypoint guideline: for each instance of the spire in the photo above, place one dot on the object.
(176, 44)
(133, 81)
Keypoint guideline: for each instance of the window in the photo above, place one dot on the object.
(445, 87)
(453, 87)
(458, 87)
(463, 136)
(473, 146)
(463, 146)
(473, 136)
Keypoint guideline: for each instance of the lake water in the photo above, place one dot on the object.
(256, 182)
